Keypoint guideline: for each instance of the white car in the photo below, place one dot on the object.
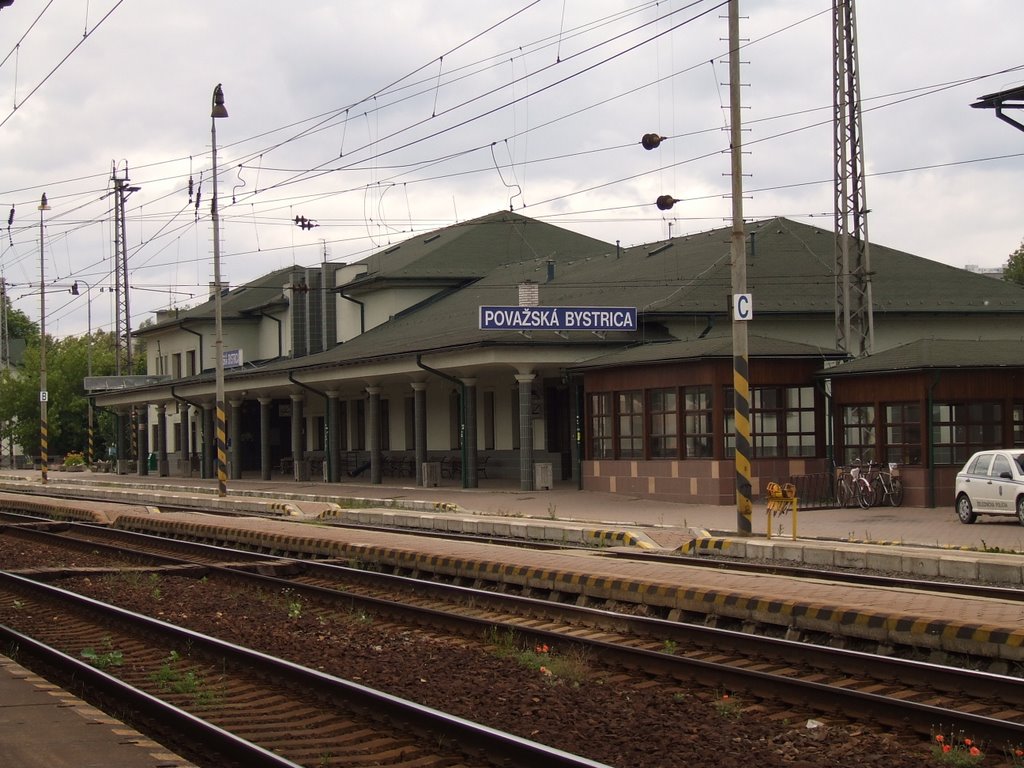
(991, 483)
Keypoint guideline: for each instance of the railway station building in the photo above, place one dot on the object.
(508, 348)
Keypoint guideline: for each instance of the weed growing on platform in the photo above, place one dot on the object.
(1015, 756)
(956, 750)
(670, 647)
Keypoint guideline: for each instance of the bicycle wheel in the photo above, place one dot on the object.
(896, 494)
(864, 492)
(842, 493)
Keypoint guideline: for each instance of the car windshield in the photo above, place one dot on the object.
(1019, 458)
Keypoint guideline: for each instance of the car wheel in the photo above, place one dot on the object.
(1020, 509)
(964, 510)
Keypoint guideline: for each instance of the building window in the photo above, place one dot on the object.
(1018, 424)
(698, 439)
(766, 420)
(190, 363)
(729, 419)
(858, 433)
(799, 426)
(664, 412)
(176, 365)
(960, 429)
(903, 433)
(601, 423)
(782, 422)
(630, 416)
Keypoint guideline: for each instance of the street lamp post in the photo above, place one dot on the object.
(218, 110)
(43, 429)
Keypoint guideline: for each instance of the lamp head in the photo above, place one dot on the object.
(43, 206)
(219, 110)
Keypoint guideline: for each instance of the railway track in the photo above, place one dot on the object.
(243, 707)
(787, 673)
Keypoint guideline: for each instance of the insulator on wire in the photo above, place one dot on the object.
(651, 140)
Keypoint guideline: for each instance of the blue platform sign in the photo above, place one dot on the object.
(558, 318)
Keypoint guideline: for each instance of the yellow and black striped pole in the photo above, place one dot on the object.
(222, 448)
(44, 440)
(740, 363)
(218, 110)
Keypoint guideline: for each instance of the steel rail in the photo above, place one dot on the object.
(516, 751)
(187, 725)
(953, 679)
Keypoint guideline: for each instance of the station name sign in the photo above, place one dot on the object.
(558, 318)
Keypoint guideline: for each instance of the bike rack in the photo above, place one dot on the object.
(781, 500)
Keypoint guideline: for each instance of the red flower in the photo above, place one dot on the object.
(946, 748)
(940, 738)
(975, 751)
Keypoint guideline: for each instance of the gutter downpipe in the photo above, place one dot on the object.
(327, 421)
(830, 445)
(186, 401)
(578, 428)
(931, 439)
(280, 340)
(181, 326)
(462, 412)
(362, 309)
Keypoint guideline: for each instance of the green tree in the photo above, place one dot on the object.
(1013, 270)
(67, 364)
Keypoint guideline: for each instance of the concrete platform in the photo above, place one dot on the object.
(915, 540)
(42, 726)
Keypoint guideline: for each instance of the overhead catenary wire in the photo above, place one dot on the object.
(256, 210)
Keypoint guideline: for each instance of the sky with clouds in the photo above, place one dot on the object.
(378, 121)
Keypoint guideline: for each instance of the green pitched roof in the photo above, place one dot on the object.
(710, 347)
(790, 269)
(262, 292)
(937, 354)
(472, 249)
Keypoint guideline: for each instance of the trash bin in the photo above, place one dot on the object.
(431, 474)
(542, 476)
(152, 461)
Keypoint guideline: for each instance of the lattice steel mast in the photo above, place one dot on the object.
(855, 328)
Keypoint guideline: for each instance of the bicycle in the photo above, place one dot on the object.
(887, 485)
(852, 485)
